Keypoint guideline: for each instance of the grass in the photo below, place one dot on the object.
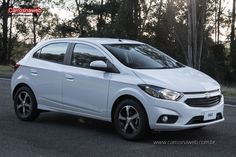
(229, 91)
(6, 70)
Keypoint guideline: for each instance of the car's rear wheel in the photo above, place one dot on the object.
(130, 119)
(25, 104)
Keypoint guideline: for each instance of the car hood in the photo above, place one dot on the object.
(179, 79)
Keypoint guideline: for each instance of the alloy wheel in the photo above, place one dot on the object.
(129, 119)
(24, 104)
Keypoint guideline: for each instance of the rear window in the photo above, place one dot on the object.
(52, 52)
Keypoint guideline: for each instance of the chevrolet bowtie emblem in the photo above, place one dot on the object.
(207, 95)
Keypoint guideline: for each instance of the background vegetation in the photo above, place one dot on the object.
(198, 33)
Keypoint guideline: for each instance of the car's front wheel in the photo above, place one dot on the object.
(25, 104)
(130, 119)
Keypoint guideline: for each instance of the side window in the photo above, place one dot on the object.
(37, 53)
(54, 52)
(83, 55)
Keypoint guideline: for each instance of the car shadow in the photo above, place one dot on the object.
(105, 128)
(72, 121)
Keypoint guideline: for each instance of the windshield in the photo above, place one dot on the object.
(141, 56)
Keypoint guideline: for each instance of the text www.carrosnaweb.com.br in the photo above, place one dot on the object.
(185, 142)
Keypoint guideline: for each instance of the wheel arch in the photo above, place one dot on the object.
(18, 86)
(123, 97)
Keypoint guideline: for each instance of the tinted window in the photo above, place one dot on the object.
(37, 53)
(83, 55)
(141, 56)
(54, 52)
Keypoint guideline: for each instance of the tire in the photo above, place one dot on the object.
(25, 104)
(130, 120)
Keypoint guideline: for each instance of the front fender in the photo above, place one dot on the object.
(131, 91)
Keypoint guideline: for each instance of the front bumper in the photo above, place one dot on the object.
(185, 113)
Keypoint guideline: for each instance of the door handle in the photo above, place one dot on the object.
(33, 72)
(69, 77)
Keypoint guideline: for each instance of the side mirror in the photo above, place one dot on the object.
(99, 65)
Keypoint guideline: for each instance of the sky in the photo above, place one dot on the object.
(228, 4)
(66, 12)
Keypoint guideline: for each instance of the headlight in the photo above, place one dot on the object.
(161, 93)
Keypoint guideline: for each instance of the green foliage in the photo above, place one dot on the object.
(128, 22)
(6, 70)
(229, 91)
(168, 32)
(215, 63)
(19, 49)
(233, 56)
(233, 61)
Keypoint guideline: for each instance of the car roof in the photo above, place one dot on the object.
(97, 40)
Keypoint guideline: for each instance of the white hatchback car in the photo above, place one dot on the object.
(126, 82)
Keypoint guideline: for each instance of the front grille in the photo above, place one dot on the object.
(203, 102)
(199, 119)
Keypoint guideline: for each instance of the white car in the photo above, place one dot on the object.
(128, 83)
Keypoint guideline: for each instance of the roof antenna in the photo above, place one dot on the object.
(118, 34)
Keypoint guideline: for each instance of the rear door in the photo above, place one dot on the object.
(85, 90)
(45, 71)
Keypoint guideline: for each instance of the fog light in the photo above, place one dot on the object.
(164, 119)
(169, 119)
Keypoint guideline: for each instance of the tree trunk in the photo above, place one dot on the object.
(194, 32)
(196, 25)
(190, 38)
(101, 12)
(135, 19)
(159, 10)
(218, 23)
(10, 39)
(5, 6)
(77, 5)
(113, 2)
(232, 35)
(201, 36)
(100, 20)
(215, 21)
(34, 29)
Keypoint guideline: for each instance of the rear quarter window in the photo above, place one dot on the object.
(53, 52)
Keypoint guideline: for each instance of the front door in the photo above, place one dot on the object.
(85, 90)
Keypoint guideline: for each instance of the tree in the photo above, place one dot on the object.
(128, 19)
(232, 35)
(4, 14)
(196, 24)
(233, 44)
(5, 54)
(218, 22)
(216, 62)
